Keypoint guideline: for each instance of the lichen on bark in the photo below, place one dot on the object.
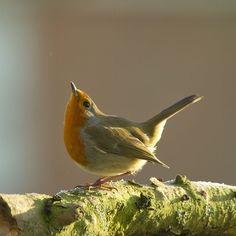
(175, 207)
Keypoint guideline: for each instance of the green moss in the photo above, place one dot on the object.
(179, 207)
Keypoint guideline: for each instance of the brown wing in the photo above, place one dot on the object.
(121, 142)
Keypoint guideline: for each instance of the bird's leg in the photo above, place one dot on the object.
(106, 179)
(101, 181)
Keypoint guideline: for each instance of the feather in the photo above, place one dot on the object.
(120, 141)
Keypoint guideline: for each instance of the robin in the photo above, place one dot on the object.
(110, 146)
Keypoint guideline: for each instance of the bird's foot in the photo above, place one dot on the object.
(103, 183)
(97, 185)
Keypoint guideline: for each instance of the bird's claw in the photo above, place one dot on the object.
(97, 185)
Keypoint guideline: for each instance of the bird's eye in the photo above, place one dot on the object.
(86, 104)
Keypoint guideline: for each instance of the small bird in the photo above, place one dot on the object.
(110, 146)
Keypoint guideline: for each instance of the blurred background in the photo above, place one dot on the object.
(134, 58)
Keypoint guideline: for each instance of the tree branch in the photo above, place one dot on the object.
(176, 207)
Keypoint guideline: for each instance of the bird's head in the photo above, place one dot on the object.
(82, 104)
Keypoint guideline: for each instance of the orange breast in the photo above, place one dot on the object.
(73, 123)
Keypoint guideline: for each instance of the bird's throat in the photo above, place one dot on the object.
(73, 123)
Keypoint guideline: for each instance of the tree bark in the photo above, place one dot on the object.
(175, 207)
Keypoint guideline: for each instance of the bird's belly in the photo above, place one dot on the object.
(106, 164)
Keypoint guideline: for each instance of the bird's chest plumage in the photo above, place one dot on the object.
(76, 147)
(72, 136)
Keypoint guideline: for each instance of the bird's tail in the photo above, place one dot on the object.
(174, 109)
(155, 125)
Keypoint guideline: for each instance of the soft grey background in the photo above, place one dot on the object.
(134, 58)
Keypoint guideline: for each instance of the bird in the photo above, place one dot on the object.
(110, 146)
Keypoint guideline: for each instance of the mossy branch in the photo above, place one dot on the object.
(176, 207)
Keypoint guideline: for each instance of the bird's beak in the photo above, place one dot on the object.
(74, 89)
